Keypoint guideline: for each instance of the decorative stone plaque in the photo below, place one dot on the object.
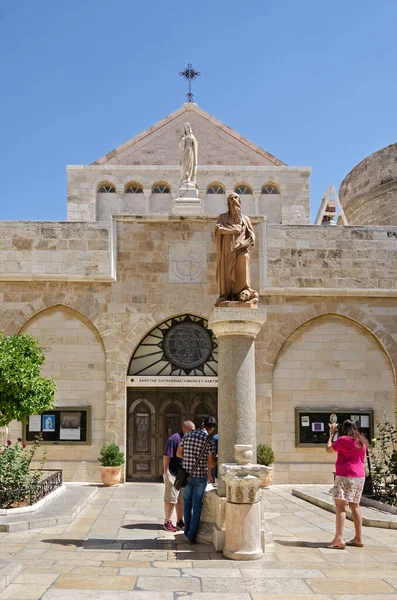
(187, 263)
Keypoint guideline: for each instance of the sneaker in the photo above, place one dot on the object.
(168, 526)
(180, 525)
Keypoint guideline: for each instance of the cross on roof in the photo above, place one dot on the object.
(190, 74)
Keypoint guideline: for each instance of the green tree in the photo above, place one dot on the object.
(23, 392)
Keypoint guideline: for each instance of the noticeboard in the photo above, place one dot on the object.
(62, 425)
(312, 424)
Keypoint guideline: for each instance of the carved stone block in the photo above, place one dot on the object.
(187, 263)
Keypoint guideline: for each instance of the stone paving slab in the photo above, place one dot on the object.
(61, 510)
(320, 496)
(109, 595)
(116, 549)
(8, 572)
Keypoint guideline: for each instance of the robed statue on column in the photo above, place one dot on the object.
(234, 237)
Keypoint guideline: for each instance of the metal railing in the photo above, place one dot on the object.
(50, 480)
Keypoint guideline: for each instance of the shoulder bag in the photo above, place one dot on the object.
(182, 476)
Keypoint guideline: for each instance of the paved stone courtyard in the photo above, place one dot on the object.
(116, 550)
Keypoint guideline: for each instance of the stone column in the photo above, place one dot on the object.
(236, 328)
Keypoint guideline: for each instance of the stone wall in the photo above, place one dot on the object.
(75, 357)
(331, 257)
(291, 206)
(329, 361)
(369, 192)
(315, 351)
(43, 250)
(111, 317)
(375, 207)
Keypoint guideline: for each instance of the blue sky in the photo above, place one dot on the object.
(313, 82)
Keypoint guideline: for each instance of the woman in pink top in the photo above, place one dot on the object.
(351, 447)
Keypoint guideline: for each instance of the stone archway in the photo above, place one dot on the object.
(173, 366)
(334, 307)
(75, 356)
(329, 361)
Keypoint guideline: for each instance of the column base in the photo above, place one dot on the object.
(243, 531)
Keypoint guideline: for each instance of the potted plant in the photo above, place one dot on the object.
(265, 456)
(111, 460)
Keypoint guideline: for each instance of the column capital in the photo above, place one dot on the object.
(236, 321)
(243, 482)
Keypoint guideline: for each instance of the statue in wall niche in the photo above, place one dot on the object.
(234, 236)
(188, 154)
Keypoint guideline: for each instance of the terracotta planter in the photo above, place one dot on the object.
(267, 481)
(110, 476)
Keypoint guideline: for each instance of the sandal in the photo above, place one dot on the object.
(336, 547)
(355, 544)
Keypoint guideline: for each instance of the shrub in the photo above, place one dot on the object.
(15, 472)
(111, 456)
(384, 461)
(265, 454)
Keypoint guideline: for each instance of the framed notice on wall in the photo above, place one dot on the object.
(312, 424)
(63, 425)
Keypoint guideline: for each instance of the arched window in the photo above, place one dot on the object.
(142, 429)
(215, 188)
(172, 420)
(200, 414)
(179, 346)
(270, 188)
(243, 189)
(161, 188)
(133, 188)
(106, 188)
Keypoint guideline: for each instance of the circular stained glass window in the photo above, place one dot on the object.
(181, 345)
(187, 345)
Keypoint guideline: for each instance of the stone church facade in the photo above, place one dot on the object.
(119, 296)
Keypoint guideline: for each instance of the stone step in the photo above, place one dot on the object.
(60, 510)
(8, 572)
(320, 496)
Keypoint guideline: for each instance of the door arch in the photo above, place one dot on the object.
(172, 420)
(203, 406)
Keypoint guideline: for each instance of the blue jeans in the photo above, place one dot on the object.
(193, 495)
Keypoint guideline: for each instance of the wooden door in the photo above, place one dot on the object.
(153, 416)
(142, 441)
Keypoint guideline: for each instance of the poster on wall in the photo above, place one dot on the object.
(35, 423)
(70, 426)
(48, 423)
(364, 421)
(318, 427)
(305, 421)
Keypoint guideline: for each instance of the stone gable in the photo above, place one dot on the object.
(217, 144)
